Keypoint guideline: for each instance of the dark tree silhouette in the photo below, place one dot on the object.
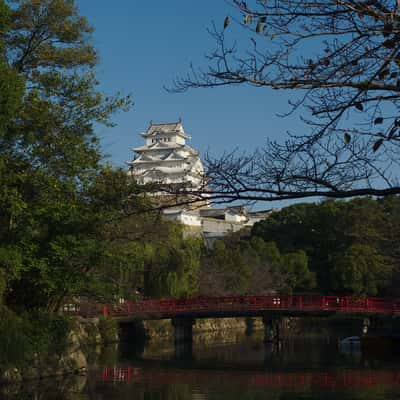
(340, 59)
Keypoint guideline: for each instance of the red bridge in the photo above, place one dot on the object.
(184, 312)
(211, 307)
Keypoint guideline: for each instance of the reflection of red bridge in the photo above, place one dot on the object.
(346, 378)
(203, 307)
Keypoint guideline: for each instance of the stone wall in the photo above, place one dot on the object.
(81, 343)
(163, 329)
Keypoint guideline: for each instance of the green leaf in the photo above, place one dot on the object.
(347, 137)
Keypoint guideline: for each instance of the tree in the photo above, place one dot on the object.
(58, 199)
(168, 263)
(10, 98)
(296, 266)
(49, 43)
(11, 84)
(361, 270)
(228, 268)
(238, 264)
(333, 235)
(341, 62)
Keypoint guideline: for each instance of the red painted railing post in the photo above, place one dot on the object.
(106, 311)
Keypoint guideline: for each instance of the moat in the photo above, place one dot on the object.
(309, 366)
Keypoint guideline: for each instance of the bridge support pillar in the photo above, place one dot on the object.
(183, 329)
(249, 326)
(272, 329)
(380, 324)
(183, 337)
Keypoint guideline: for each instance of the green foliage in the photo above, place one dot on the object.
(295, 264)
(108, 329)
(230, 263)
(352, 246)
(149, 253)
(361, 270)
(25, 338)
(58, 201)
(171, 267)
(239, 265)
(11, 85)
(14, 343)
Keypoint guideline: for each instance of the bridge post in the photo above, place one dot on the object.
(106, 311)
(365, 326)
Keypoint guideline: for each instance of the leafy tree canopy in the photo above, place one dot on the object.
(58, 199)
(351, 246)
(240, 265)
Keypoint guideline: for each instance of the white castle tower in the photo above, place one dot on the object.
(166, 158)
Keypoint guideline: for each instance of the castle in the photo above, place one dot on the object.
(166, 159)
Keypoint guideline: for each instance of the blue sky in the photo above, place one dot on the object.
(143, 45)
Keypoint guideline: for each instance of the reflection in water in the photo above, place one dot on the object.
(326, 379)
(241, 368)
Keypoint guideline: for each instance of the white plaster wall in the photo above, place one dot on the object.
(234, 217)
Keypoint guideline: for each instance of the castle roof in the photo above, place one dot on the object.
(149, 158)
(174, 128)
(158, 146)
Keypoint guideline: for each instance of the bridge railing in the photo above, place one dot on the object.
(254, 303)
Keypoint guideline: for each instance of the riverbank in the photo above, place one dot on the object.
(81, 345)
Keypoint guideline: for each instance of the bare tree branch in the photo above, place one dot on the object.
(341, 61)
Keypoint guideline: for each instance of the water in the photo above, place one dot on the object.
(239, 368)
